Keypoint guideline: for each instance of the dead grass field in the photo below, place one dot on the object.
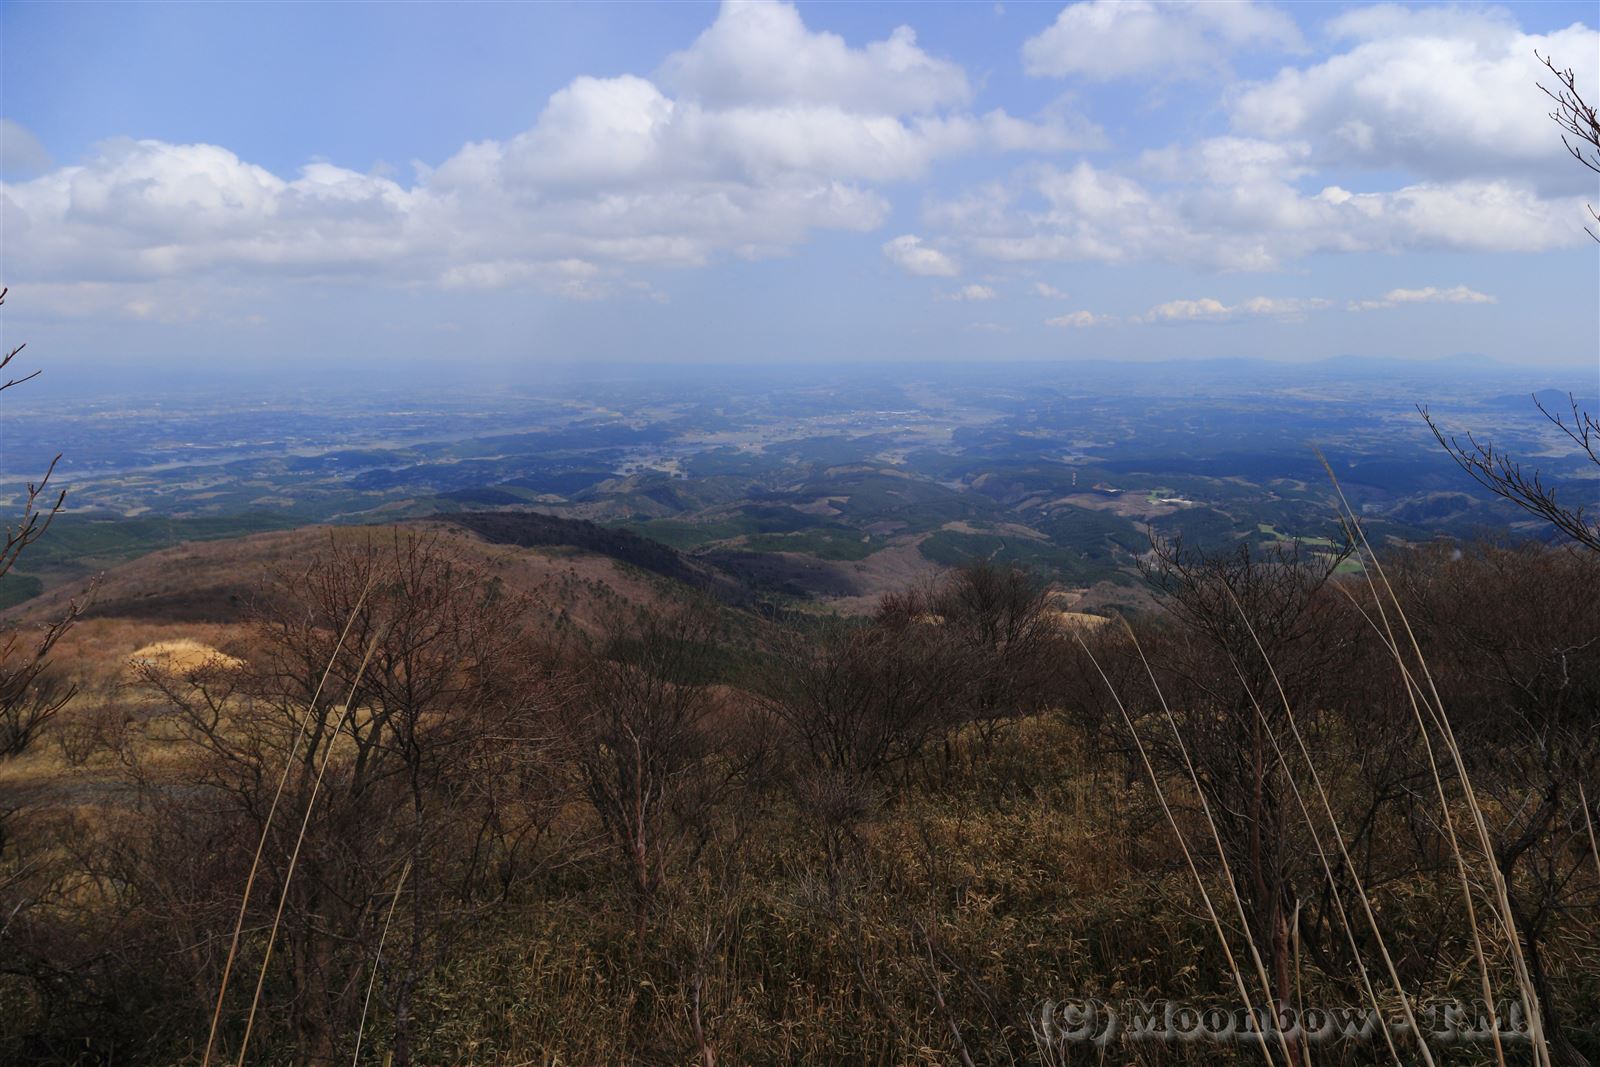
(185, 605)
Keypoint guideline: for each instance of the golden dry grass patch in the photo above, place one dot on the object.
(1078, 620)
(182, 656)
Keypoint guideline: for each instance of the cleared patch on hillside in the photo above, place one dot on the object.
(182, 656)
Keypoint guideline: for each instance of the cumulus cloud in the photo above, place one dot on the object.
(1229, 161)
(146, 209)
(1254, 219)
(1459, 294)
(972, 292)
(1209, 309)
(759, 134)
(1205, 309)
(1441, 93)
(912, 256)
(1048, 291)
(762, 54)
(1108, 39)
(1078, 320)
(1438, 104)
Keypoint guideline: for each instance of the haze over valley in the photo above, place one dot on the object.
(852, 478)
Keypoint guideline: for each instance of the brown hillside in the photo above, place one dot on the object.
(212, 582)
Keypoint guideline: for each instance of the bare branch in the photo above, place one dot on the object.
(1503, 476)
(1580, 126)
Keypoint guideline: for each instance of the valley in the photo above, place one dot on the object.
(828, 487)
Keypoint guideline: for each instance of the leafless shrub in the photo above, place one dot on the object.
(1256, 639)
(996, 620)
(90, 731)
(1512, 637)
(29, 695)
(864, 699)
(641, 732)
(25, 711)
(386, 719)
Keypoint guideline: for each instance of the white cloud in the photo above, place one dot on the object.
(1059, 128)
(1282, 306)
(765, 133)
(21, 154)
(1442, 93)
(1078, 320)
(1255, 219)
(1210, 309)
(991, 327)
(912, 256)
(574, 279)
(1459, 294)
(1108, 39)
(760, 53)
(972, 292)
(1204, 309)
(1439, 104)
(1228, 161)
(146, 209)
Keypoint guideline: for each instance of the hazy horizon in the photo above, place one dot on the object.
(68, 380)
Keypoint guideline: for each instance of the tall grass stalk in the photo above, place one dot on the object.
(1502, 899)
(1327, 868)
(1188, 856)
(1216, 835)
(1588, 822)
(294, 855)
(377, 957)
(266, 824)
(1333, 821)
(1413, 692)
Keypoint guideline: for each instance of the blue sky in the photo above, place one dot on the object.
(207, 185)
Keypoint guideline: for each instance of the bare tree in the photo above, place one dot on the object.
(387, 717)
(38, 509)
(1493, 468)
(1256, 642)
(1580, 125)
(864, 699)
(999, 620)
(641, 730)
(24, 713)
(1512, 636)
(29, 696)
(857, 703)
